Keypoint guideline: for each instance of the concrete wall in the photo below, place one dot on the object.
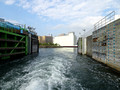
(106, 45)
(84, 47)
(65, 40)
(79, 43)
(89, 45)
(34, 44)
(103, 45)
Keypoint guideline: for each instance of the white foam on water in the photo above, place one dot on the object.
(57, 76)
(45, 77)
(43, 74)
(52, 73)
(35, 84)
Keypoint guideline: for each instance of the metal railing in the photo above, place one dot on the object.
(104, 21)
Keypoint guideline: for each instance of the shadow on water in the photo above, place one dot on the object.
(94, 75)
(7, 65)
(96, 64)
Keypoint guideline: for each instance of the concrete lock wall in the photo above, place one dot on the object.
(79, 43)
(34, 44)
(106, 45)
(103, 45)
(84, 45)
(89, 45)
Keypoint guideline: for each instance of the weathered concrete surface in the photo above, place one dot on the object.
(89, 45)
(103, 45)
(106, 45)
(79, 43)
(84, 45)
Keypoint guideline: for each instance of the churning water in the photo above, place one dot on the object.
(57, 69)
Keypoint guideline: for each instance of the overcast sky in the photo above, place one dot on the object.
(57, 16)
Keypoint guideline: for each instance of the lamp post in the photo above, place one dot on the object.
(84, 32)
(79, 34)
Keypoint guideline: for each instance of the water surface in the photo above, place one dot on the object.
(57, 69)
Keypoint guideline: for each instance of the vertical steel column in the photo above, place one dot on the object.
(26, 45)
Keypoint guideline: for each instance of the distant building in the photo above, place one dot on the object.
(117, 17)
(65, 39)
(45, 39)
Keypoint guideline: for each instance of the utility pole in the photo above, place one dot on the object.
(79, 34)
(84, 32)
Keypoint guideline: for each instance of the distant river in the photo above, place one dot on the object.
(57, 69)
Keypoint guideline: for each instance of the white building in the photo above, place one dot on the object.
(65, 39)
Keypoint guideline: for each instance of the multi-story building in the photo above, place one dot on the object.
(65, 39)
(45, 39)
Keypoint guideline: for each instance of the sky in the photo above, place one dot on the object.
(57, 16)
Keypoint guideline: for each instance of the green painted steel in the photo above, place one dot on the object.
(12, 43)
(26, 45)
(11, 33)
(17, 44)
